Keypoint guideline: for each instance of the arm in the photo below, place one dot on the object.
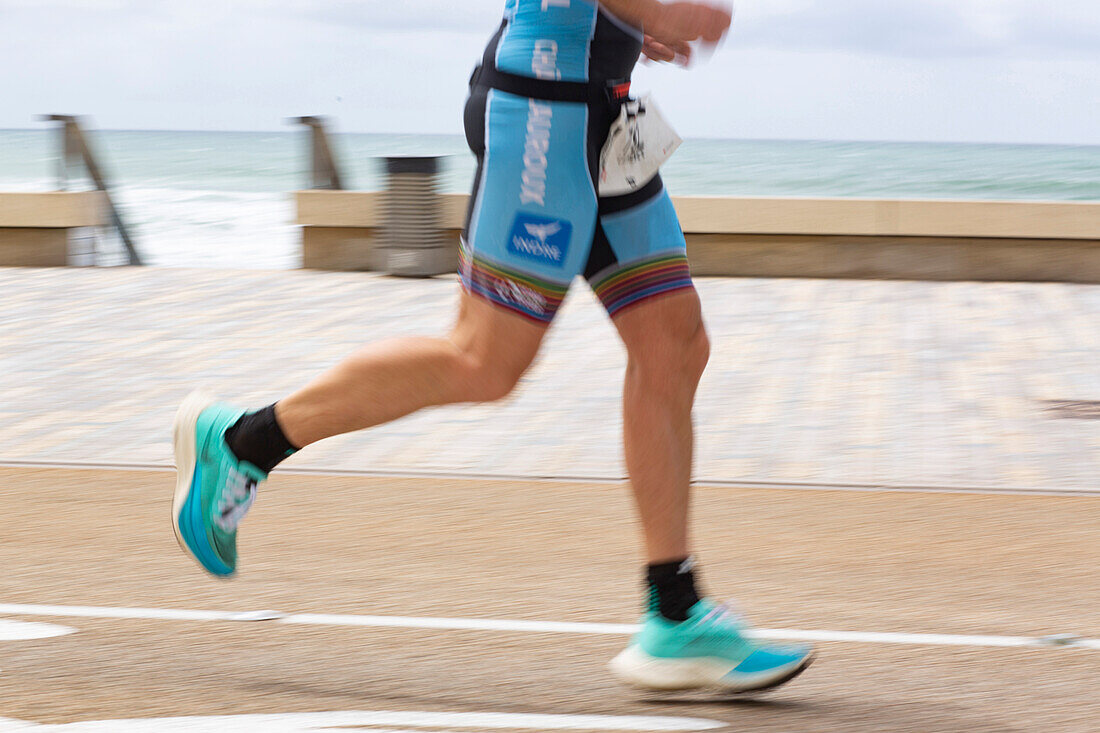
(654, 50)
(637, 12)
(675, 23)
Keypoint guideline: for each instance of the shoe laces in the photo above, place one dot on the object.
(724, 619)
(723, 612)
(236, 500)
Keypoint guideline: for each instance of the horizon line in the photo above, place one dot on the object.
(698, 138)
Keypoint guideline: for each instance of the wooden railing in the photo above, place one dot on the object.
(76, 152)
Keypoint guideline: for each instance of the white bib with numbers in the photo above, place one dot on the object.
(640, 141)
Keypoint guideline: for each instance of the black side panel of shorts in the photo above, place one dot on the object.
(473, 119)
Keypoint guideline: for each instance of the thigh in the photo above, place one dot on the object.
(662, 330)
(533, 210)
(490, 333)
(639, 250)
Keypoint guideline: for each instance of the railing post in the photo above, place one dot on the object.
(74, 145)
(323, 171)
(70, 154)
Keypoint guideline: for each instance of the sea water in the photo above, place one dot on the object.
(222, 199)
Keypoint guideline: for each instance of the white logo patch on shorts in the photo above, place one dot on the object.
(540, 238)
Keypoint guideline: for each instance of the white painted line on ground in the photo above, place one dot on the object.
(24, 630)
(460, 624)
(879, 637)
(162, 614)
(360, 719)
(547, 627)
(702, 482)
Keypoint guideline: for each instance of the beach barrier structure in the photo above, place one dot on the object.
(343, 230)
(77, 153)
(791, 237)
(36, 229)
(324, 172)
(50, 229)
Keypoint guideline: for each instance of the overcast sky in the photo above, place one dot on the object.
(951, 70)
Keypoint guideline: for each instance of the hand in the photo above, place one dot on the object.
(654, 50)
(677, 23)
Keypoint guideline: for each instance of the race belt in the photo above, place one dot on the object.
(551, 90)
(639, 141)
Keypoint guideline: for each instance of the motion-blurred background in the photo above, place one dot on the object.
(937, 99)
(893, 215)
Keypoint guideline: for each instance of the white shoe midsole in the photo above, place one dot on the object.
(634, 667)
(183, 444)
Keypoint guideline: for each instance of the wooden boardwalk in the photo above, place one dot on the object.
(867, 383)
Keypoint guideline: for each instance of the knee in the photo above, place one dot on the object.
(491, 378)
(674, 357)
(492, 350)
(698, 351)
(695, 352)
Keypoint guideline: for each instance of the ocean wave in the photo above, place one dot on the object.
(223, 199)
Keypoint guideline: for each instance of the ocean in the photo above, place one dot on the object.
(220, 199)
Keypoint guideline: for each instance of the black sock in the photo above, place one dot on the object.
(671, 587)
(258, 439)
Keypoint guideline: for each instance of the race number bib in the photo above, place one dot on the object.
(639, 142)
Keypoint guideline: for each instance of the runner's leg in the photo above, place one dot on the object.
(481, 360)
(223, 452)
(667, 350)
(685, 641)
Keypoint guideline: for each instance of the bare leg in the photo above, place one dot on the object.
(667, 350)
(485, 354)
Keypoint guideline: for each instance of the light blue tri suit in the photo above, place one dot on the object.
(541, 103)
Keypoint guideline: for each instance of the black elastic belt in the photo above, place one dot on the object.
(551, 91)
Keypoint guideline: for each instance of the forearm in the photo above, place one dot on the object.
(637, 12)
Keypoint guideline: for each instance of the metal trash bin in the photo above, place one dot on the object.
(412, 242)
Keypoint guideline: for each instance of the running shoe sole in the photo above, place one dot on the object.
(638, 669)
(186, 450)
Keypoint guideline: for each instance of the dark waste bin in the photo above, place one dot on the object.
(412, 243)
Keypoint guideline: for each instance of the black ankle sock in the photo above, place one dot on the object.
(258, 439)
(671, 587)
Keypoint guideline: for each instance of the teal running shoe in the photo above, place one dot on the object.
(708, 650)
(214, 490)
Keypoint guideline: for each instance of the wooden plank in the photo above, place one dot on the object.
(53, 210)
